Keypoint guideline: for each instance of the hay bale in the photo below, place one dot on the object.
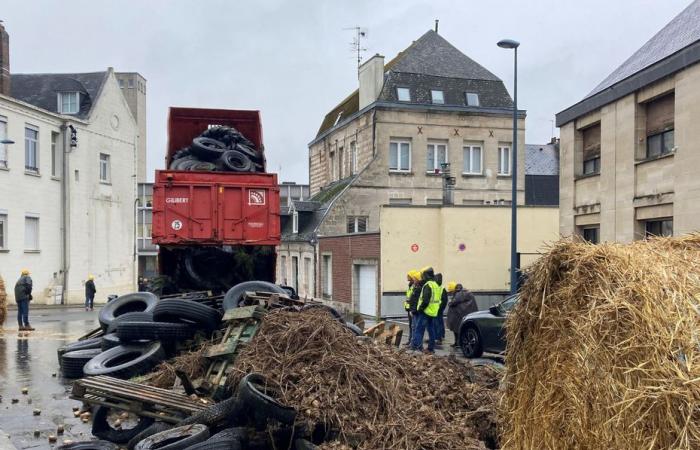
(3, 302)
(603, 348)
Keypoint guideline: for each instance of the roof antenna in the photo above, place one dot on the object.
(437, 21)
(356, 45)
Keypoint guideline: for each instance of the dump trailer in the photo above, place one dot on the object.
(216, 214)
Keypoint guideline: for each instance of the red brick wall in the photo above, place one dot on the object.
(344, 250)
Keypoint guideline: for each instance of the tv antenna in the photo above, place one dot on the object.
(356, 44)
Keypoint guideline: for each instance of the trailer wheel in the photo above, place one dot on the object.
(235, 294)
(89, 445)
(72, 363)
(103, 420)
(149, 331)
(136, 302)
(186, 311)
(207, 149)
(235, 161)
(125, 361)
(176, 438)
(261, 400)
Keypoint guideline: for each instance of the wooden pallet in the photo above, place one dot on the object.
(142, 400)
(389, 336)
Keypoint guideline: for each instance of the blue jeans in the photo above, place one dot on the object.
(439, 327)
(423, 322)
(23, 313)
(89, 301)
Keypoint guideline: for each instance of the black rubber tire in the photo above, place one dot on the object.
(207, 149)
(138, 301)
(89, 445)
(235, 161)
(126, 361)
(79, 345)
(110, 340)
(303, 444)
(102, 429)
(230, 408)
(224, 440)
(155, 427)
(72, 363)
(332, 311)
(187, 311)
(188, 435)
(130, 317)
(235, 294)
(470, 342)
(203, 166)
(250, 152)
(257, 400)
(228, 135)
(182, 153)
(182, 163)
(151, 331)
(357, 331)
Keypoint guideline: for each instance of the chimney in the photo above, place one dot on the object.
(4, 61)
(371, 80)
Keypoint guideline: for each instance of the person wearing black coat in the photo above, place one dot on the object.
(90, 292)
(463, 303)
(23, 295)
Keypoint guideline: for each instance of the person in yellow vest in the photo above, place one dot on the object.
(412, 294)
(426, 312)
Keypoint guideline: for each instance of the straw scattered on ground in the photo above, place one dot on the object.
(603, 349)
(376, 396)
(3, 302)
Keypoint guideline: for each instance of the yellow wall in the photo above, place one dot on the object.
(439, 231)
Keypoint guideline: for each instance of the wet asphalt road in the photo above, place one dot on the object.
(28, 359)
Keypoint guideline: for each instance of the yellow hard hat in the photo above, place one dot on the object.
(91, 277)
(451, 286)
(25, 271)
(414, 274)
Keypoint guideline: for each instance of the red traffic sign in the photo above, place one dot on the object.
(414, 248)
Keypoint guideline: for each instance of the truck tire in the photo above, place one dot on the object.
(235, 161)
(354, 329)
(110, 340)
(254, 156)
(228, 439)
(207, 149)
(129, 317)
(72, 363)
(79, 345)
(188, 312)
(155, 427)
(235, 294)
(230, 408)
(181, 163)
(202, 166)
(152, 331)
(89, 445)
(136, 302)
(176, 438)
(332, 311)
(125, 361)
(261, 401)
(102, 429)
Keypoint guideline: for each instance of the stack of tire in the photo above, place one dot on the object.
(219, 148)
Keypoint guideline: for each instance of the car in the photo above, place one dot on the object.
(484, 331)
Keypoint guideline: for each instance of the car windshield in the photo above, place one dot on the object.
(508, 303)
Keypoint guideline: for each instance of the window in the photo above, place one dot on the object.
(353, 157)
(3, 147)
(332, 162)
(295, 272)
(3, 231)
(357, 224)
(400, 156)
(283, 270)
(472, 159)
(591, 234)
(663, 227)
(438, 97)
(31, 150)
(31, 233)
(403, 94)
(104, 168)
(340, 162)
(433, 201)
(327, 275)
(295, 222)
(503, 160)
(68, 102)
(437, 154)
(131, 83)
(307, 277)
(659, 126)
(121, 83)
(54, 154)
(337, 119)
(591, 149)
(472, 99)
(400, 201)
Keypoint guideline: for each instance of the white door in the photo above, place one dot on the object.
(367, 289)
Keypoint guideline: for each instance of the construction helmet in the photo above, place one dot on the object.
(451, 286)
(25, 271)
(414, 274)
(91, 277)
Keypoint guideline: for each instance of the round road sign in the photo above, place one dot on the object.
(414, 248)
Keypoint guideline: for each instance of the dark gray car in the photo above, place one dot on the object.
(484, 331)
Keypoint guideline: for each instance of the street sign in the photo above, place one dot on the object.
(414, 248)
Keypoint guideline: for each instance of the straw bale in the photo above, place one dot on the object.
(603, 348)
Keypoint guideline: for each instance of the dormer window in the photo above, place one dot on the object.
(403, 94)
(438, 97)
(472, 99)
(337, 119)
(68, 102)
(295, 222)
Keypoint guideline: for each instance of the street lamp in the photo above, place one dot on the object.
(511, 44)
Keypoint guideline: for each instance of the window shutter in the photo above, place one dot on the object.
(660, 114)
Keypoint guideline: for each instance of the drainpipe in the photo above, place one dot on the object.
(65, 203)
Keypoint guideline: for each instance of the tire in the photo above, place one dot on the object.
(182, 163)
(203, 166)
(470, 342)
(176, 438)
(188, 312)
(126, 361)
(136, 302)
(235, 294)
(250, 152)
(110, 340)
(207, 149)
(303, 444)
(354, 329)
(229, 441)
(89, 445)
(155, 427)
(130, 317)
(261, 403)
(72, 363)
(235, 161)
(79, 345)
(334, 312)
(182, 153)
(154, 331)
(103, 430)
(230, 408)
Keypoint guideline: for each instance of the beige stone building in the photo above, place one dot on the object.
(630, 150)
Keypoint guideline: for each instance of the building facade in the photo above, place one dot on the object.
(133, 86)
(630, 149)
(146, 250)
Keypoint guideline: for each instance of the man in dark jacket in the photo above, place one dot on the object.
(23, 295)
(90, 292)
(439, 321)
(463, 303)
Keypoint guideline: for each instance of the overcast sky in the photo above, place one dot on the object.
(291, 59)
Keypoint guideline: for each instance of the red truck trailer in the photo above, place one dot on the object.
(214, 228)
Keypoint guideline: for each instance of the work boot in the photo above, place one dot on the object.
(28, 327)
(22, 328)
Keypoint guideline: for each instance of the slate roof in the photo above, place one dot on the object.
(42, 89)
(541, 159)
(311, 213)
(430, 63)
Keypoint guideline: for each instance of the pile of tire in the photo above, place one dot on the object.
(219, 148)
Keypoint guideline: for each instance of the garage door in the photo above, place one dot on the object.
(367, 289)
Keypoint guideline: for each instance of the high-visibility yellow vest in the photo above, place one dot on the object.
(409, 293)
(435, 295)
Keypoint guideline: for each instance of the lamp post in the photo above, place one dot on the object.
(511, 44)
